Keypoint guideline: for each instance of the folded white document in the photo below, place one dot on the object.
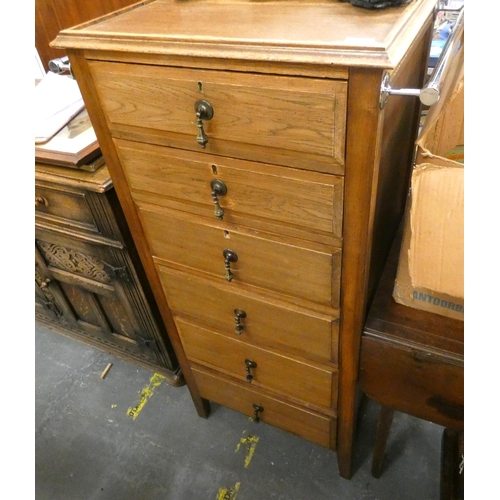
(57, 101)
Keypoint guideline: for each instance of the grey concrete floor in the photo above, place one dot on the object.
(88, 447)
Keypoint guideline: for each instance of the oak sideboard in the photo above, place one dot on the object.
(89, 281)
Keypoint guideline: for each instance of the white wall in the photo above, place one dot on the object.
(39, 71)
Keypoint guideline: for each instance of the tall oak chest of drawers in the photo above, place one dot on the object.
(263, 182)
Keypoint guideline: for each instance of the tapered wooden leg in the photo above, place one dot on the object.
(383, 428)
(203, 407)
(452, 475)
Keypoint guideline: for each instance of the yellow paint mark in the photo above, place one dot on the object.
(146, 393)
(228, 494)
(250, 442)
(114, 406)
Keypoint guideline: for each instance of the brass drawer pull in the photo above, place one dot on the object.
(218, 189)
(239, 314)
(229, 256)
(248, 365)
(204, 111)
(45, 283)
(256, 410)
(40, 201)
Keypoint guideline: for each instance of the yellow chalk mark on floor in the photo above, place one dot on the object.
(250, 442)
(228, 494)
(146, 394)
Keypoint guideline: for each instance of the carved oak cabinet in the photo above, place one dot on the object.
(263, 183)
(89, 281)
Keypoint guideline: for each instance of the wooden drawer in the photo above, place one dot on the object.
(280, 195)
(267, 321)
(288, 376)
(298, 122)
(414, 379)
(64, 206)
(307, 272)
(315, 427)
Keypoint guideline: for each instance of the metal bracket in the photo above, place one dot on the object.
(53, 307)
(60, 66)
(430, 94)
(147, 343)
(117, 272)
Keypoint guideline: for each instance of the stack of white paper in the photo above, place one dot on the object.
(57, 101)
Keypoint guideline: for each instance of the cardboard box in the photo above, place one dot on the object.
(431, 264)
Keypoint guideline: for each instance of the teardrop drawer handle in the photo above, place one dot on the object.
(204, 111)
(229, 256)
(249, 364)
(218, 189)
(239, 314)
(256, 410)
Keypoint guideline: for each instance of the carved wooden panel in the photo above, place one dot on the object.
(74, 261)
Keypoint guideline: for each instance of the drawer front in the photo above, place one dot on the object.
(306, 273)
(278, 119)
(290, 196)
(250, 318)
(413, 381)
(288, 376)
(309, 425)
(64, 206)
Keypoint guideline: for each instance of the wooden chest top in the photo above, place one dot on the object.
(306, 31)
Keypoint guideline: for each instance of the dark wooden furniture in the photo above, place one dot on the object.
(413, 361)
(51, 16)
(263, 184)
(89, 282)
